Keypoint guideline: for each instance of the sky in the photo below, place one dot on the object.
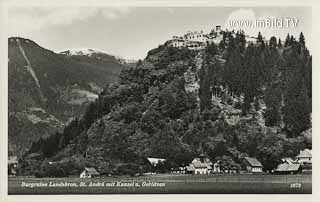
(130, 32)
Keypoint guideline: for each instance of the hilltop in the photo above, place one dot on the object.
(228, 100)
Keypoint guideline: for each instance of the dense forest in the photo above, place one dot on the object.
(264, 87)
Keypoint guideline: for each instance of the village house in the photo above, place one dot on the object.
(288, 160)
(216, 167)
(89, 173)
(304, 157)
(179, 170)
(286, 168)
(155, 161)
(252, 165)
(199, 166)
(12, 165)
(301, 163)
(155, 165)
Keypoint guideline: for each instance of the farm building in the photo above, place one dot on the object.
(306, 168)
(199, 166)
(286, 168)
(253, 165)
(304, 157)
(216, 167)
(179, 170)
(89, 173)
(12, 165)
(155, 161)
(288, 160)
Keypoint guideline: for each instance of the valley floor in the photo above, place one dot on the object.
(165, 184)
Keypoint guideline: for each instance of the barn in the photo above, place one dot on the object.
(252, 165)
(304, 157)
(155, 161)
(89, 173)
(285, 168)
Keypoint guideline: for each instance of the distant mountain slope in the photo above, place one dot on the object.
(57, 85)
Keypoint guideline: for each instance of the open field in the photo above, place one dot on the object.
(166, 184)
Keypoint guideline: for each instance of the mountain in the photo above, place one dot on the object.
(47, 90)
(228, 100)
(97, 55)
(84, 51)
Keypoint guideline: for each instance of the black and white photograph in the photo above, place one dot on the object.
(159, 100)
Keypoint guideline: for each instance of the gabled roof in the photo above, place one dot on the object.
(288, 160)
(12, 159)
(190, 168)
(304, 154)
(253, 161)
(201, 165)
(206, 160)
(91, 171)
(288, 167)
(155, 161)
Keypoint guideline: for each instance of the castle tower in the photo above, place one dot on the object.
(218, 28)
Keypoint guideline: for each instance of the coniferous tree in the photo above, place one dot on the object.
(250, 78)
(273, 101)
(302, 40)
(287, 41)
(273, 42)
(297, 109)
(279, 43)
(308, 76)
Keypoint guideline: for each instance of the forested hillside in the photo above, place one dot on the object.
(47, 90)
(247, 99)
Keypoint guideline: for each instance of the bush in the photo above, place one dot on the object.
(51, 171)
(39, 174)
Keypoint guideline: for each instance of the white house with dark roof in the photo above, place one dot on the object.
(253, 165)
(155, 161)
(304, 157)
(12, 165)
(89, 173)
(200, 166)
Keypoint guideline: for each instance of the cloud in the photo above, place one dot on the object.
(112, 13)
(30, 19)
